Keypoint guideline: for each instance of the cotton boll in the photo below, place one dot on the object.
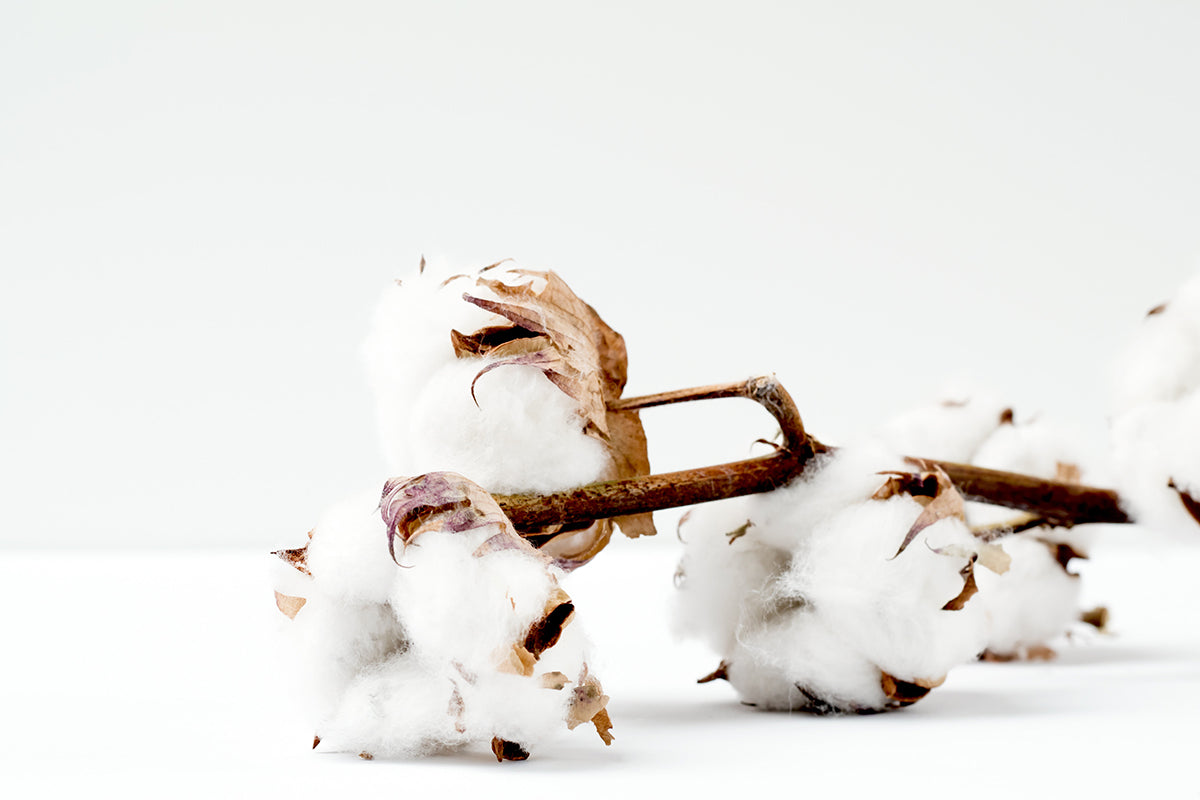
(1155, 449)
(950, 430)
(1044, 449)
(1162, 361)
(464, 637)
(828, 621)
(1032, 603)
(510, 428)
(509, 377)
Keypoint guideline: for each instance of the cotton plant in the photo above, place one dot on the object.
(422, 622)
(828, 579)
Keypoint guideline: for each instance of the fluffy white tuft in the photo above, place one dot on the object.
(1156, 425)
(404, 657)
(803, 597)
(517, 433)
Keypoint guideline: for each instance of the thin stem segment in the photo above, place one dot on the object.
(1055, 502)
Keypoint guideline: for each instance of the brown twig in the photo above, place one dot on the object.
(1055, 502)
(674, 489)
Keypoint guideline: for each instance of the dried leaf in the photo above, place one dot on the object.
(365, 756)
(934, 490)
(904, 693)
(1190, 503)
(508, 751)
(440, 501)
(603, 726)
(1067, 473)
(516, 660)
(544, 633)
(1096, 617)
(990, 556)
(1063, 553)
(721, 673)
(969, 589)
(738, 532)
(587, 704)
(1006, 417)
(316, 741)
(1158, 309)
(554, 680)
(297, 557)
(290, 606)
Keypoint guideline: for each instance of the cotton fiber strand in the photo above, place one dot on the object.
(804, 597)
(423, 622)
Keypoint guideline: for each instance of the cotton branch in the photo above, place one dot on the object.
(1054, 502)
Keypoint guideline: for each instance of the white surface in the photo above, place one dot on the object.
(155, 675)
(199, 202)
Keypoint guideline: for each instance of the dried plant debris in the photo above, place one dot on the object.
(1156, 420)
(506, 376)
(424, 622)
(843, 594)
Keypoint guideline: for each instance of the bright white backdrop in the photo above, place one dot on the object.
(200, 201)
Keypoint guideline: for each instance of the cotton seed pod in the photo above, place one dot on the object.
(422, 621)
(507, 376)
(850, 590)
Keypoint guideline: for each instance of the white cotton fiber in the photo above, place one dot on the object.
(951, 429)
(1033, 603)
(429, 651)
(518, 433)
(1161, 363)
(1156, 425)
(810, 607)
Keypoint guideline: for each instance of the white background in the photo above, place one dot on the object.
(199, 203)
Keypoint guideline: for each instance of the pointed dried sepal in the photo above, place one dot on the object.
(931, 488)
(1190, 503)
(505, 750)
(902, 693)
